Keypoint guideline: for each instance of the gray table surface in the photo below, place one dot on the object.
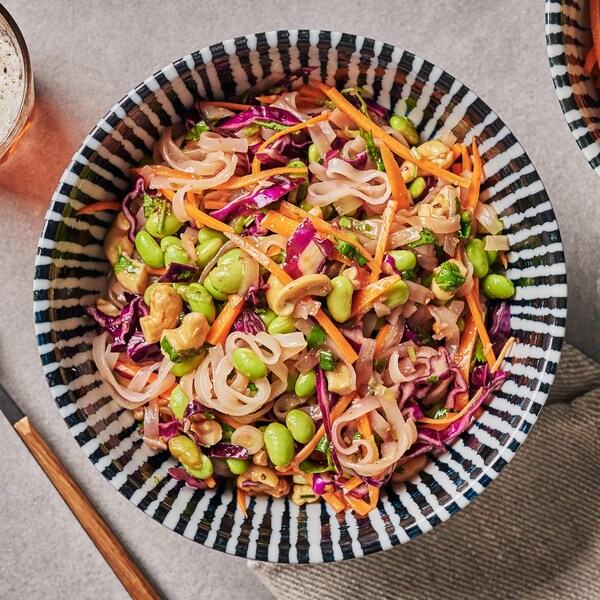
(88, 55)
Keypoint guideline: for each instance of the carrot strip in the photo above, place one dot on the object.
(334, 500)
(373, 496)
(352, 483)
(97, 206)
(222, 325)
(473, 191)
(129, 369)
(364, 426)
(214, 204)
(241, 501)
(359, 506)
(365, 298)
(230, 105)
(268, 99)
(318, 119)
(475, 308)
(466, 159)
(277, 223)
(210, 482)
(503, 259)
(456, 151)
(168, 194)
(229, 420)
(380, 338)
(463, 356)
(336, 337)
(392, 168)
(595, 26)
(202, 219)
(394, 145)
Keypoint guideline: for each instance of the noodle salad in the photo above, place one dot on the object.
(304, 297)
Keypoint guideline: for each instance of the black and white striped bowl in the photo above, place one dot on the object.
(71, 269)
(568, 39)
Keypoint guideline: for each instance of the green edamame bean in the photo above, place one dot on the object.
(201, 301)
(397, 295)
(149, 250)
(227, 278)
(339, 299)
(205, 470)
(313, 154)
(187, 366)
(237, 465)
(169, 226)
(267, 315)
(175, 254)
(148, 292)
(404, 260)
(208, 286)
(492, 256)
(306, 385)
(186, 451)
(170, 240)
(417, 187)
(281, 325)
(291, 381)
(301, 426)
(497, 286)
(461, 324)
(232, 256)
(279, 444)
(406, 128)
(207, 250)
(474, 250)
(227, 432)
(206, 233)
(238, 225)
(301, 191)
(249, 364)
(294, 164)
(178, 402)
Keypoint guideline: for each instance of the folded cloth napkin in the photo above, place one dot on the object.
(535, 533)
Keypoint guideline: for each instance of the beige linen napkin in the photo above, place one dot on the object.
(535, 533)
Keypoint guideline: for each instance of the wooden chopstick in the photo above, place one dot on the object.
(119, 560)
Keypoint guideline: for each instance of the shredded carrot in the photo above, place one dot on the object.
(210, 482)
(380, 338)
(336, 337)
(236, 183)
(473, 191)
(475, 308)
(394, 145)
(318, 119)
(392, 168)
(335, 500)
(97, 206)
(450, 418)
(463, 356)
(466, 159)
(131, 369)
(241, 501)
(214, 204)
(278, 223)
(157, 270)
(595, 27)
(169, 194)
(456, 151)
(373, 496)
(222, 325)
(364, 426)
(360, 507)
(365, 298)
(203, 219)
(352, 483)
(503, 259)
(268, 99)
(229, 105)
(229, 420)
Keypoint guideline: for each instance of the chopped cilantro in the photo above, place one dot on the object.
(357, 436)
(196, 130)
(316, 337)
(466, 224)
(345, 222)
(373, 152)
(479, 353)
(449, 278)
(411, 353)
(175, 355)
(125, 264)
(252, 387)
(427, 237)
(150, 204)
(433, 379)
(350, 251)
(438, 411)
(327, 360)
(424, 336)
(323, 445)
(271, 125)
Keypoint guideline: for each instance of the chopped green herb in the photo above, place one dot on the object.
(196, 130)
(479, 353)
(125, 264)
(411, 353)
(345, 222)
(466, 224)
(433, 379)
(373, 152)
(327, 360)
(426, 281)
(328, 103)
(150, 204)
(350, 251)
(438, 411)
(357, 436)
(427, 237)
(449, 278)
(316, 337)
(424, 336)
(309, 467)
(252, 387)
(177, 356)
(357, 93)
(271, 125)
(323, 445)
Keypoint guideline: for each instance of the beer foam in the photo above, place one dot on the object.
(12, 83)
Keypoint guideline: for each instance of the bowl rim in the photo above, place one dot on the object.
(490, 471)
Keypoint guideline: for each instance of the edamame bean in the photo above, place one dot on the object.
(404, 260)
(187, 366)
(170, 240)
(281, 325)
(475, 251)
(149, 250)
(205, 470)
(232, 256)
(169, 226)
(237, 465)
(148, 292)
(306, 385)
(339, 299)
(267, 315)
(294, 164)
(461, 324)
(249, 364)
(313, 154)
(497, 286)
(207, 250)
(227, 278)
(186, 451)
(175, 254)
(301, 426)
(417, 187)
(227, 432)
(492, 256)
(201, 301)
(291, 381)
(279, 443)
(406, 128)
(206, 233)
(397, 295)
(301, 191)
(208, 286)
(178, 402)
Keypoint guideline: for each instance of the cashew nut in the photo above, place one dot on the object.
(261, 458)
(444, 204)
(283, 300)
(188, 338)
(136, 279)
(437, 152)
(304, 494)
(438, 292)
(118, 236)
(208, 432)
(352, 274)
(342, 380)
(165, 306)
(269, 482)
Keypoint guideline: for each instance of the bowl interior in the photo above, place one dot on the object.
(71, 269)
(568, 40)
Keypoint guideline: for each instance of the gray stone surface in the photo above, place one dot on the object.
(88, 55)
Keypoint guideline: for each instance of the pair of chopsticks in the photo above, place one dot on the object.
(115, 554)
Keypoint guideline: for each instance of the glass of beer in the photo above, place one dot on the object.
(16, 85)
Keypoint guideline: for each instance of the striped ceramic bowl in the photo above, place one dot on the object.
(568, 40)
(71, 270)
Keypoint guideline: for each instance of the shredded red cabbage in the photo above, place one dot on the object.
(324, 400)
(138, 350)
(138, 190)
(224, 450)
(305, 252)
(255, 293)
(499, 329)
(178, 273)
(183, 475)
(169, 429)
(256, 229)
(321, 483)
(358, 162)
(255, 114)
(193, 408)
(249, 322)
